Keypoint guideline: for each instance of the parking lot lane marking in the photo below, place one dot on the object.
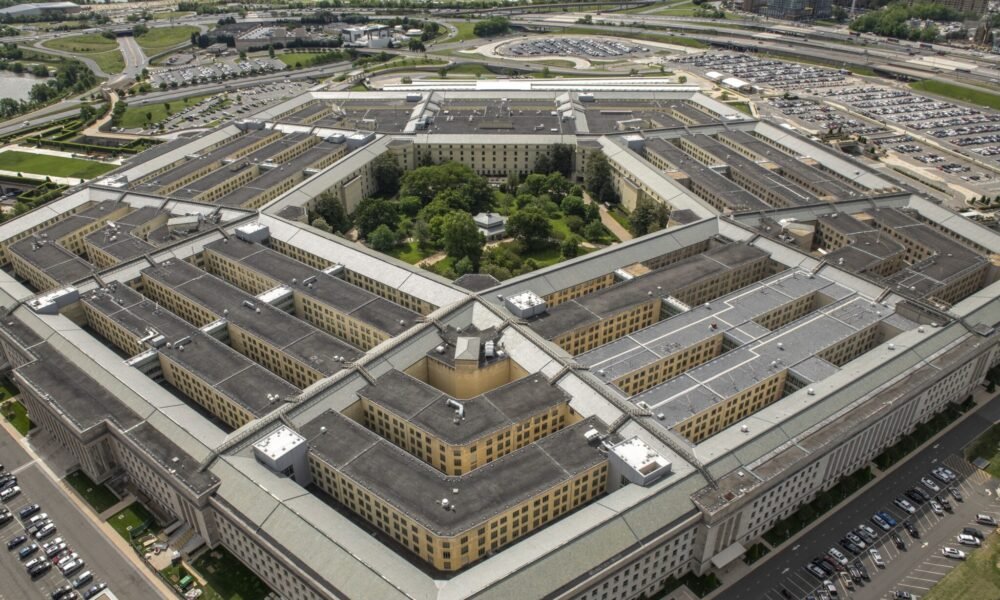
(931, 572)
(22, 467)
(916, 587)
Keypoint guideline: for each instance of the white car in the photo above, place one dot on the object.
(936, 508)
(71, 567)
(930, 484)
(67, 559)
(9, 493)
(877, 558)
(904, 504)
(952, 553)
(968, 540)
(838, 556)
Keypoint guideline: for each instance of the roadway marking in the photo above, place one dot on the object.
(23, 467)
(931, 572)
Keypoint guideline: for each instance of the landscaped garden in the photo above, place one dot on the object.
(135, 519)
(425, 216)
(49, 165)
(98, 496)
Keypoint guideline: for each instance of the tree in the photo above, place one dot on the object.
(329, 207)
(416, 45)
(270, 50)
(682, 79)
(372, 212)
(464, 266)
(570, 247)
(466, 189)
(573, 205)
(531, 226)
(597, 173)
(593, 231)
(461, 238)
(383, 238)
(321, 224)
(839, 14)
(387, 173)
(491, 27)
(562, 159)
(139, 30)
(648, 216)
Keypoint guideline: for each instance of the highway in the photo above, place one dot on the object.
(775, 568)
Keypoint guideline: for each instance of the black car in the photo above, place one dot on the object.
(830, 565)
(867, 537)
(8, 481)
(28, 510)
(850, 546)
(945, 504)
(860, 566)
(973, 532)
(16, 541)
(95, 590)
(829, 570)
(40, 569)
(6, 517)
(855, 574)
(913, 495)
(911, 530)
(900, 544)
(62, 591)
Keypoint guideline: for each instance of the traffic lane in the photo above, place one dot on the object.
(880, 496)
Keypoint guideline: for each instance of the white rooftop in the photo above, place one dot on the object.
(278, 443)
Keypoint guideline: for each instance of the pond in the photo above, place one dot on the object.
(17, 86)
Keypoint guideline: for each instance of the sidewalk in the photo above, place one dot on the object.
(740, 569)
(116, 540)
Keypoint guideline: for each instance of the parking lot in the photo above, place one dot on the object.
(32, 538)
(219, 69)
(596, 48)
(975, 131)
(811, 114)
(777, 74)
(915, 566)
(230, 105)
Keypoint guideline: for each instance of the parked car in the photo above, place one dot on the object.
(6, 517)
(54, 551)
(67, 559)
(816, 571)
(927, 481)
(944, 502)
(882, 523)
(860, 566)
(856, 540)
(876, 558)
(9, 493)
(936, 508)
(824, 566)
(16, 541)
(61, 591)
(33, 562)
(94, 590)
(911, 529)
(916, 495)
(869, 538)
(896, 539)
(974, 533)
(46, 530)
(957, 495)
(83, 579)
(968, 540)
(887, 517)
(26, 511)
(949, 552)
(71, 567)
(941, 475)
(904, 505)
(902, 595)
(868, 530)
(40, 569)
(984, 519)
(36, 519)
(850, 546)
(27, 551)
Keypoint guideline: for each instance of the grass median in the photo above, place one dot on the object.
(958, 92)
(103, 51)
(161, 38)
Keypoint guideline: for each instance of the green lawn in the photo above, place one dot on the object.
(987, 446)
(302, 59)
(464, 32)
(958, 92)
(94, 46)
(161, 38)
(741, 106)
(135, 116)
(408, 252)
(227, 577)
(57, 166)
(17, 415)
(98, 496)
(131, 517)
(977, 577)
(469, 69)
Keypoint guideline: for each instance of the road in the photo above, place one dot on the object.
(135, 58)
(75, 527)
(774, 569)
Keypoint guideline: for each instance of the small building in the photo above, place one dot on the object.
(493, 225)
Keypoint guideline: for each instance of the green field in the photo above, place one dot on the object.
(977, 577)
(131, 517)
(408, 252)
(302, 59)
(987, 446)
(958, 92)
(227, 577)
(98, 48)
(135, 116)
(464, 32)
(17, 415)
(161, 38)
(98, 496)
(469, 69)
(56, 166)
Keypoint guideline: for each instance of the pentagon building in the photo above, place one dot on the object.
(352, 427)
